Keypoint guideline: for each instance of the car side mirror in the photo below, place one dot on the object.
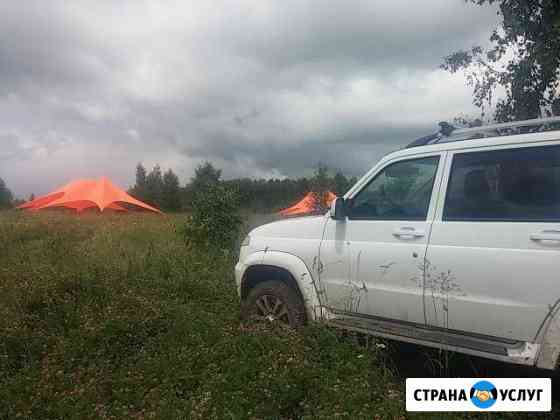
(338, 209)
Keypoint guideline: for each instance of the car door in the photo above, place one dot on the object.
(494, 255)
(371, 262)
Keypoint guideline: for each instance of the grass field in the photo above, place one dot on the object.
(112, 317)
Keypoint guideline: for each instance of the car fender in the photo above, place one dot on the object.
(299, 271)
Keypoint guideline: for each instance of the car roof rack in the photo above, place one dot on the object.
(449, 133)
(445, 129)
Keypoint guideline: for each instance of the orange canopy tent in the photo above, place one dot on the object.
(83, 194)
(308, 204)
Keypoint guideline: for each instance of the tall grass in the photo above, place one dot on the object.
(111, 317)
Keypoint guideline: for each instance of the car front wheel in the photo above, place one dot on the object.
(274, 302)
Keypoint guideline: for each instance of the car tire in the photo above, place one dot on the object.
(274, 302)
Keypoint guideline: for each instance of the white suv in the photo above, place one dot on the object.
(452, 242)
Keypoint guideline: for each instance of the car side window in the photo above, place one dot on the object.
(520, 184)
(401, 191)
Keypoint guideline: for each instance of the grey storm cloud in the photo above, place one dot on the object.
(261, 88)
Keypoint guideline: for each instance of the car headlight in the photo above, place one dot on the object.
(246, 241)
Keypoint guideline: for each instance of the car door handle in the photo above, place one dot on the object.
(408, 233)
(546, 235)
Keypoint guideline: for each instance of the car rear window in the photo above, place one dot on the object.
(521, 184)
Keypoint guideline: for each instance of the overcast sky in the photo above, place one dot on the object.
(259, 87)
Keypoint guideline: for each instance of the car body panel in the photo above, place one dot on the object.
(489, 277)
(369, 269)
(268, 245)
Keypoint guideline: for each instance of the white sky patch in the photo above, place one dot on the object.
(259, 87)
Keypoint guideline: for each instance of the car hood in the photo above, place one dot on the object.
(309, 227)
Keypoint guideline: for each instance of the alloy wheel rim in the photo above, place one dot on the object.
(272, 309)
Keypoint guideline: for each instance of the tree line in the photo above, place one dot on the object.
(163, 190)
(6, 197)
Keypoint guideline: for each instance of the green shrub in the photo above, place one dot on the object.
(215, 221)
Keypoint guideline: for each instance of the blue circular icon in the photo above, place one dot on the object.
(483, 394)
